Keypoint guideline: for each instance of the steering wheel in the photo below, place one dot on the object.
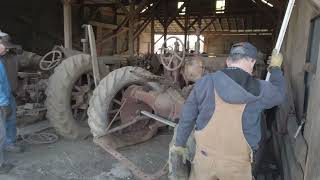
(171, 59)
(50, 60)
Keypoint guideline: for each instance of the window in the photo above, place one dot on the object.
(183, 11)
(220, 6)
(192, 39)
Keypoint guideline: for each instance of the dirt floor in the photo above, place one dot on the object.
(73, 160)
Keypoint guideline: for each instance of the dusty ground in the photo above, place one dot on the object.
(83, 160)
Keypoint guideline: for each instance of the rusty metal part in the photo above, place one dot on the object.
(129, 111)
(80, 96)
(166, 103)
(193, 69)
(149, 77)
(128, 128)
(123, 126)
(130, 165)
(116, 115)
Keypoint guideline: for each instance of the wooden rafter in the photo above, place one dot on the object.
(177, 13)
(179, 24)
(219, 23)
(208, 24)
(243, 23)
(229, 27)
(192, 23)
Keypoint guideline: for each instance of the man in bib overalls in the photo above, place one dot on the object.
(224, 108)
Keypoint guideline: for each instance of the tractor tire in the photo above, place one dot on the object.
(58, 102)
(106, 91)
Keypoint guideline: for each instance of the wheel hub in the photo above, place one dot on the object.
(131, 108)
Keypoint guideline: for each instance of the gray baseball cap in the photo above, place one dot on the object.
(244, 48)
(5, 40)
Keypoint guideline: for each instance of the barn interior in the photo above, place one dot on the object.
(74, 68)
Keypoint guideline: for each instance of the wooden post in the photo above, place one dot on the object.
(138, 44)
(93, 50)
(67, 17)
(152, 36)
(115, 39)
(99, 38)
(186, 25)
(131, 29)
(312, 166)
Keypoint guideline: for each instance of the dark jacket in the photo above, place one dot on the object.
(234, 86)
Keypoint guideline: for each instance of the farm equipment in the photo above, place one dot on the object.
(130, 104)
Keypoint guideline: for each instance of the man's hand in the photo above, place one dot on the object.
(2, 49)
(276, 60)
(180, 151)
(178, 169)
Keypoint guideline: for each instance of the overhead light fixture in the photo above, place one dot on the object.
(269, 4)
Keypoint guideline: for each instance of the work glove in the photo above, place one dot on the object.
(276, 60)
(178, 168)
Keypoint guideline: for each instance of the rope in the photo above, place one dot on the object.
(40, 138)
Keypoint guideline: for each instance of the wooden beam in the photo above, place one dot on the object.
(67, 18)
(141, 6)
(122, 7)
(177, 13)
(186, 24)
(94, 60)
(147, 21)
(152, 36)
(115, 39)
(229, 27)
(105, 25)
(313, 114)
(220, 24)
(227, 33)
(160, 20)
(179, 23)
(235, 22)
(204, 28)
(145, 24)
(158, 39)
(99, 38)
(111, 35)
(131, 28)
(193, 22)
(242, 23)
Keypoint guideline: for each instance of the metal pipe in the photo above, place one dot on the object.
(283, 30)
(158, 118)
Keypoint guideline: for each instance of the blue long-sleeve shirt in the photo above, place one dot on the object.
(5, 90)
(256, 94)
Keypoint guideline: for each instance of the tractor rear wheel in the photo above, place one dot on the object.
(107, 101)
(68, 93)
